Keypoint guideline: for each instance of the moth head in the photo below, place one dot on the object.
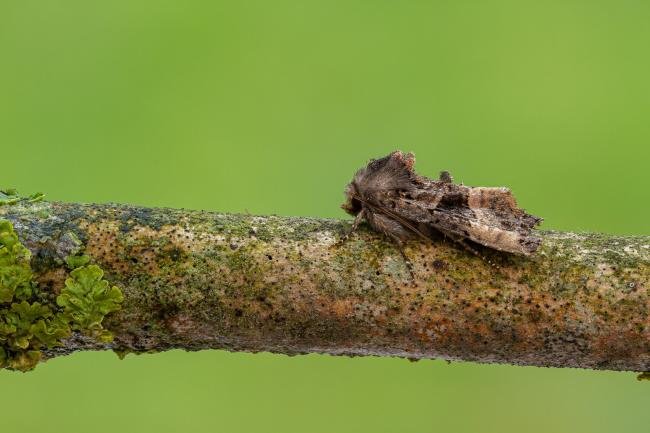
(351, 205)
(390, 173)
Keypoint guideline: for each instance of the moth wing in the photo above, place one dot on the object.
(488, 216)
(493, 219)
(497, 199)
(498, 204)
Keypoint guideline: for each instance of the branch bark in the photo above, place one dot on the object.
(204, 280)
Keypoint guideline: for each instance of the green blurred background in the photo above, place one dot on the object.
(269, 107)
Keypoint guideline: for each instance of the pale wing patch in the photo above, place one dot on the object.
(494, 237)
(492, 198)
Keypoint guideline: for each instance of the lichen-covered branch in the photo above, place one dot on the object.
(205, 280)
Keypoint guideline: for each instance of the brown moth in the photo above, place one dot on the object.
(396, 201)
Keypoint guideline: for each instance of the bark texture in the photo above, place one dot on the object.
(205, 280)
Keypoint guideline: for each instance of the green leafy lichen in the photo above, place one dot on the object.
(77, 261)
(26, 325)
(11, 196)
(87, 298)
(26, 328)
(15, 272)
(31, 319)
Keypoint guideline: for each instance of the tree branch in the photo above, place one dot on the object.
(205, 280)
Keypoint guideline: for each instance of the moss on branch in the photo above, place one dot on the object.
(204, 280)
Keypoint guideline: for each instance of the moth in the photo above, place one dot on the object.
(403, 205)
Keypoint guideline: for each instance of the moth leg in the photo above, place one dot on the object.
(399, 244)
(355, 226)
(407, 262)
(461, 241)
(357, 220)
(395, 231)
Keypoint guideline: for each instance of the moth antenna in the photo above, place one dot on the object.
(398, 218)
